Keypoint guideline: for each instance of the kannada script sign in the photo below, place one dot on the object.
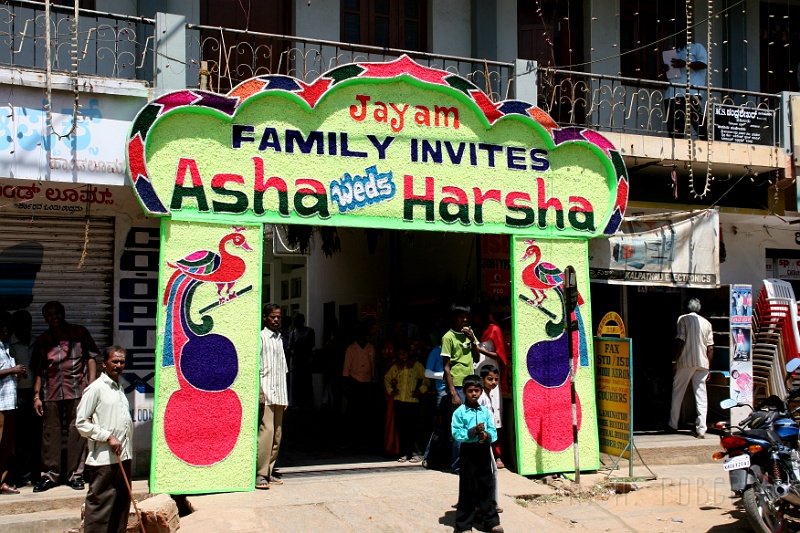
(745, 125)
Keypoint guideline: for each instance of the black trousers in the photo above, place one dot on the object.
(475, 486)
(676, 116)
(28, 444)
(59, 415)
(108, 501)
(406, 416)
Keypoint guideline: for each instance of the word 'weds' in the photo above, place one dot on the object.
(394, 114)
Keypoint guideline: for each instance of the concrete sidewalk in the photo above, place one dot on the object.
(401, 499)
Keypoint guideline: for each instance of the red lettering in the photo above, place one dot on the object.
(261, 185)
(189, 164)
(408, 189)
(354, 111)
(309, 186)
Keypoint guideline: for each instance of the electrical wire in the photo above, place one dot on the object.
(653, 43)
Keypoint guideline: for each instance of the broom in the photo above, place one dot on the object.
(130, 492)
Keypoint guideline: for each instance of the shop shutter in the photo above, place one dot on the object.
(39, 261)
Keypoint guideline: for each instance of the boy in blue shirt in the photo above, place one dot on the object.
(473, 427)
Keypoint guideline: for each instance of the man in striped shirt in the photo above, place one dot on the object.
(693, 357)
(274, 396)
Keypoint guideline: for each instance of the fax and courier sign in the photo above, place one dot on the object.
(614, 395)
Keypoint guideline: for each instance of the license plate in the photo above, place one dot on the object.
(735, 463)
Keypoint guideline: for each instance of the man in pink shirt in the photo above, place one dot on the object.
(359, 374)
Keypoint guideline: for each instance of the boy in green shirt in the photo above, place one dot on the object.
(459, 354)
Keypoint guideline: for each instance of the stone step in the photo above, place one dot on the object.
(662, 449)
(58, 498)
(45, 521)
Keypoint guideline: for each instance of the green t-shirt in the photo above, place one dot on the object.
(458, 347)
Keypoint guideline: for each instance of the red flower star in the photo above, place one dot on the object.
(404, 65)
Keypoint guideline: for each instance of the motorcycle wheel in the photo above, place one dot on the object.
(765, 511)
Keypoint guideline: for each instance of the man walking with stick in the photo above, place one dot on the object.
(104, 419)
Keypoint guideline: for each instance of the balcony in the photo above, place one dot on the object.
(630, 112)
(89, 43)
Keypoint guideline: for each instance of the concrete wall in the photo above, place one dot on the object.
(353, 276)
(507, 49)
(602, 35)
(746, 244)
(318, 19)
(449, 28)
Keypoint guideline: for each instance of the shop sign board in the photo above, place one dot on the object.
(787, 269)
(675, 249)
(613, 364)
(53, 198)
(747, 125)
(393, 145)
(91, 149)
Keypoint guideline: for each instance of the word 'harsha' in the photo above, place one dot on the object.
(452, 204)
(395, 114)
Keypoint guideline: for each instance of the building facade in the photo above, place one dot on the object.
(72, 230)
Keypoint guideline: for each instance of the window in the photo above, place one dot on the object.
(235, 57)
(82, 4)
(550, 32)
(387, 23)
(645, 30)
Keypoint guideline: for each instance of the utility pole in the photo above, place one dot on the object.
(570, 304)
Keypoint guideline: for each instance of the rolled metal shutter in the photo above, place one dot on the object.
(39, 262)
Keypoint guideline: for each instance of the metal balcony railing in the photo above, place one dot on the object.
(629, 105)
(236, 55)
(105, 44)
(124, 46)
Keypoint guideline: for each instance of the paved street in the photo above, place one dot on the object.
(684, 498)
(386, 496)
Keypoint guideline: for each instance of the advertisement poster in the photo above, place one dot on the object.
(741, 304)
(741, 353)
(674, 249)
(495, 266)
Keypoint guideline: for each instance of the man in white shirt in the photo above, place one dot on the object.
(693, 356)
(104, 419)
(274, 396)
(694, 56)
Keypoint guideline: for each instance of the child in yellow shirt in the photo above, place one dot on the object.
(406, 383)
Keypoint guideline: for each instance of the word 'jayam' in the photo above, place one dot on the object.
(395, 114)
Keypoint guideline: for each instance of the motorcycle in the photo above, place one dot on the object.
(763, 460)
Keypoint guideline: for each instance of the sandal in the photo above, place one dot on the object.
(402, 460)
(262, 483)
(415, 460)
(276, 481)
(5, 489)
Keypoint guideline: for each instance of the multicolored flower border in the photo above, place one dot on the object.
(403, 67)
